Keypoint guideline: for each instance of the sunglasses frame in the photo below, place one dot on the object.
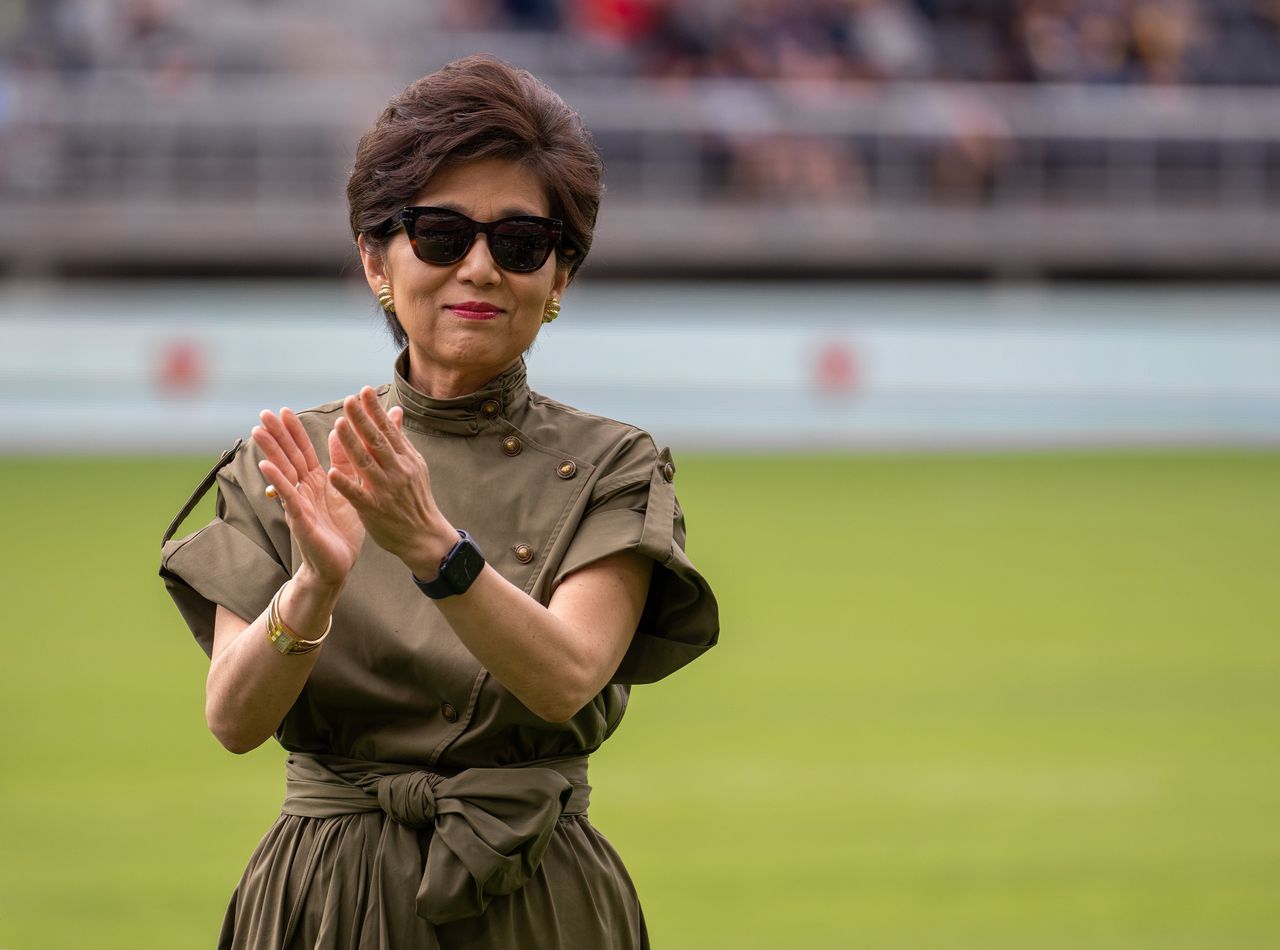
(407, 217)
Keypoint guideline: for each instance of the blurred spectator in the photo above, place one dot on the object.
(1165, 33)
(616, 22)
(1075, 42)
(76, 36)
(892, 37)
(966, 163)
(530, 14)
(790, 170)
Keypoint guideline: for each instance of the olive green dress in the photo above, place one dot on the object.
(425, 806)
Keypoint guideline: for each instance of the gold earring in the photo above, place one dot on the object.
(385, 300)
(551, 310)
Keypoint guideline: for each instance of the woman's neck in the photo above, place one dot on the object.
(450, 382)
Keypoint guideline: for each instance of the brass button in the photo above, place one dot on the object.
(567, 469)
(511, 445)
(669, 471)
(523, 552)
(450, 714)
(490, 408)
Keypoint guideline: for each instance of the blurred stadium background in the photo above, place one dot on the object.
(1024, 698)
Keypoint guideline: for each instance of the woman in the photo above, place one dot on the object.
(439, 703)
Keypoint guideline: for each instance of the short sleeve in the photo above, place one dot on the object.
(633, 508)
(238, 559)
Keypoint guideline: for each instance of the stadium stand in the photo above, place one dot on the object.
(740, 136)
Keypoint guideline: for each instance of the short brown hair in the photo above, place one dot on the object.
(476, 108)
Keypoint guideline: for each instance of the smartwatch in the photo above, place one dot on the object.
(458, 570)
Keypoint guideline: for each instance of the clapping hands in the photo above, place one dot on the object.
(377, 483)
(327, 528)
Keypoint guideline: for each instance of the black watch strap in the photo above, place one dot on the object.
(458, 570)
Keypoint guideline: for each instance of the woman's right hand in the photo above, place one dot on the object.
(327, 528)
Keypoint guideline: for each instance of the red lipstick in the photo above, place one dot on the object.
(475, 310)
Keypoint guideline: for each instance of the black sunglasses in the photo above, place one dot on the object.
(442, 236)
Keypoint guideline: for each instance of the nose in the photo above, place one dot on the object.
(477, 265)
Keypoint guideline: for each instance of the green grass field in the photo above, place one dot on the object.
(1020, 702)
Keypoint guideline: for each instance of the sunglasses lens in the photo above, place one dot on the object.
(520, 245)
(440, 237)
(517, 244)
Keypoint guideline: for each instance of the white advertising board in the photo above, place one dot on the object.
(186, 367)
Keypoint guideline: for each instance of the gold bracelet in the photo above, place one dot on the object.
(285, 640)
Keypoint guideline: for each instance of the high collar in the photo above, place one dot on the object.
(460, 415)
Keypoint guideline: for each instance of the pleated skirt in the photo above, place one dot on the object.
(322, 883)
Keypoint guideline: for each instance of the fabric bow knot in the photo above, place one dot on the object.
(408, 799)
(491, 827)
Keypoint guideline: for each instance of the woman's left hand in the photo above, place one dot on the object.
(387, 481)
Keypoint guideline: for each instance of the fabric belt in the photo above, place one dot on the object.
(488, 827)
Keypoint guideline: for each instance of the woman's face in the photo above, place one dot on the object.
(468, 322)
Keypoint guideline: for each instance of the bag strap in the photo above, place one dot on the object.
(200, 492)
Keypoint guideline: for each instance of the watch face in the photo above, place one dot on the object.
(461, 566)
(465, 565)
